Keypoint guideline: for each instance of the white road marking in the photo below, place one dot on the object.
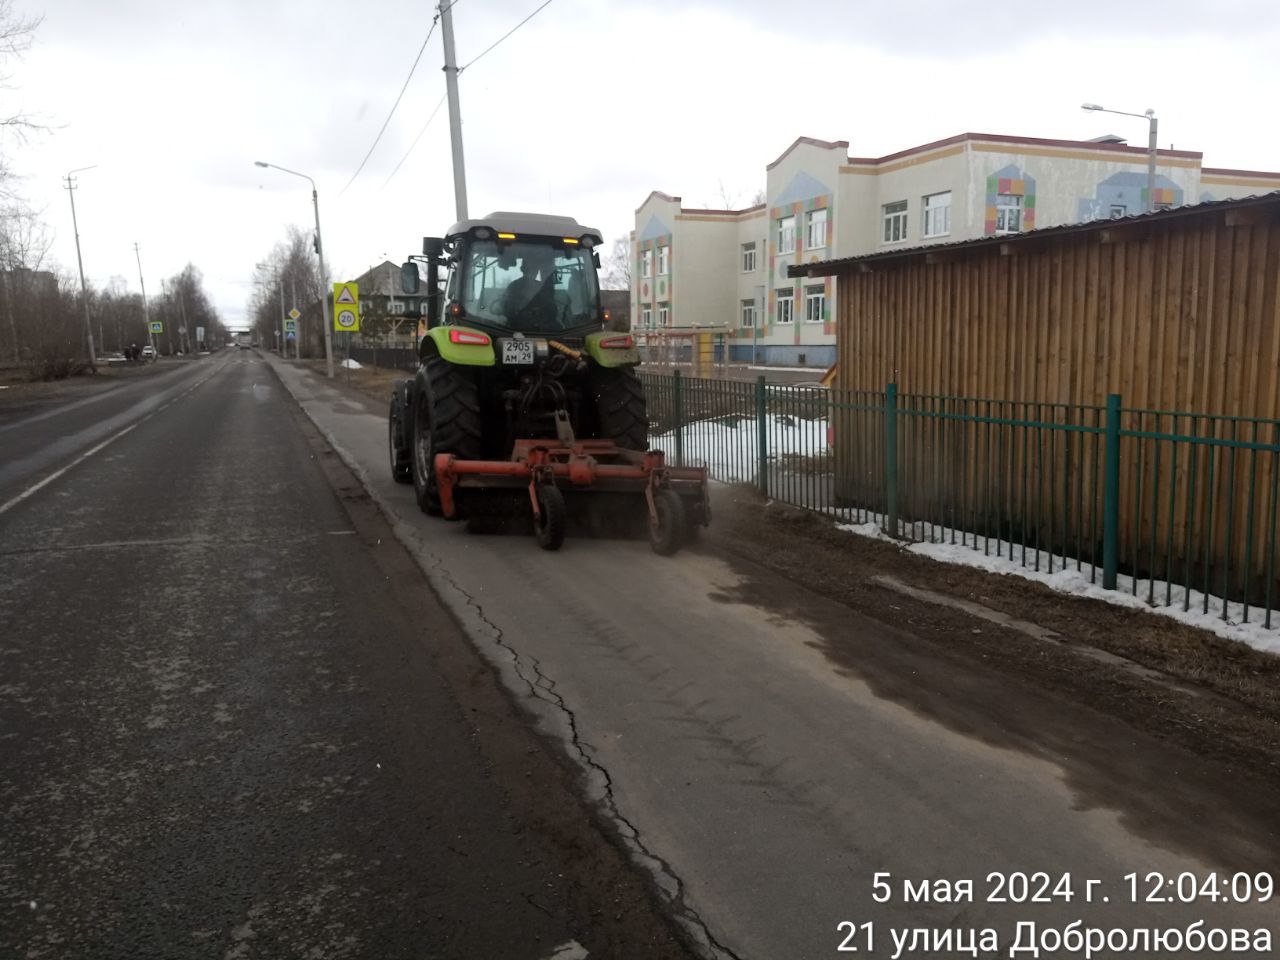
(35, 487)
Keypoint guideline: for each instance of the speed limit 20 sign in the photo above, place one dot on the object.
(346, 307)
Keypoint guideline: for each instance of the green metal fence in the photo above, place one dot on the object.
(1179, 509)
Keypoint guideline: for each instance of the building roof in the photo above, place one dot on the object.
(826, 268)
(970, 137)
(813, 142)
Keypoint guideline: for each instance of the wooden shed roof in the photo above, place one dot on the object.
(1242, 209)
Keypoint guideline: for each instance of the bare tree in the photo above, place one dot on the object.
(617, 265)
(290, 276)
(24, 247)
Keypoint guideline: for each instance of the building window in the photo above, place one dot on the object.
(1008, 214)
(664, 314)
(786, 234)
(895, 221)
(664, 260)
(646, 318)
(1118, 210)
(748, 314)
(816, 233)
(815, 304)
(749, 257)
(786, 306)
(646, 264)
(937, 214)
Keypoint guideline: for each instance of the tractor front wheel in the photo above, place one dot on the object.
(668, 531)
(549, 524)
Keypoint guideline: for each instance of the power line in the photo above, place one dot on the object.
(505, 35)
(399, 96)
(418, 137)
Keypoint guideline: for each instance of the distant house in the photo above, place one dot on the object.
(386, 311)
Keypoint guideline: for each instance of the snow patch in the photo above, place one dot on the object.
(1224, 618)
(729, 446)
(352, 364)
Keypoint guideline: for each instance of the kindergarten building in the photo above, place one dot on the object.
(722, 274)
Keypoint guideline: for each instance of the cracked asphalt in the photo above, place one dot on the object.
(235, 722)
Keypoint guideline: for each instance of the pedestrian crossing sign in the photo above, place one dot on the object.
(156, 326)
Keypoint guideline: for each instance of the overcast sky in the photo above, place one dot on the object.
(583, 111)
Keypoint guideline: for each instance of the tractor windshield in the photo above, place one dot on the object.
(529, 286)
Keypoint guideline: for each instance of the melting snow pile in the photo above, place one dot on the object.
(994, 556)
(730, 446)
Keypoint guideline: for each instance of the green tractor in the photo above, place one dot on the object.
(523, 400)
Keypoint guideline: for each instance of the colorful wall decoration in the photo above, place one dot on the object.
(1010, 181)
(651, 290)
(1124, 194)
(802, 194)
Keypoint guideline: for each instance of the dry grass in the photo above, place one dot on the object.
(373, 382)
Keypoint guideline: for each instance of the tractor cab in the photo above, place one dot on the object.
(513, 273)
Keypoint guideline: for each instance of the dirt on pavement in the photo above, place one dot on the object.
(1214, 697)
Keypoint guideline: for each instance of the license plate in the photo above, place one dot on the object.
(517, 352)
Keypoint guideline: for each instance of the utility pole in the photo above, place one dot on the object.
(182, 309)
(168, 327)
(1151, 162)
(455, 112)
(293, 303)
(284, 344)
(84, 289)
(146, 314)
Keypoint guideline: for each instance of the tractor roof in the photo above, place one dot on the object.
(537, 224)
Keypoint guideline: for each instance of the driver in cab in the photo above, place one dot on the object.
(530, 298)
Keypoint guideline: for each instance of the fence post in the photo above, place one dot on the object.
(891, 458)
(1111, 494)
(762, 436)
(677, 403)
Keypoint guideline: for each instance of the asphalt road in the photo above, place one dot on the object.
(768, 751)
(235, 723)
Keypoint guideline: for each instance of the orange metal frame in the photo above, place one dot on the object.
(579, 465)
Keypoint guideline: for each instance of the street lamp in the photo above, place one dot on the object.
(1149, 116)
(324, 276)
(84, 290)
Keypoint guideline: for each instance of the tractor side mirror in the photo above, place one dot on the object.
(595, 258)
(409, 277)
(433, 246)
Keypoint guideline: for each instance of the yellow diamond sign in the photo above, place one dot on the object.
(346, 307)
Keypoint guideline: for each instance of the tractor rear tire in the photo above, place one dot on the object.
(549, 525)
(447, 419)
(621, 412)
(401, 451)
(670, 532)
